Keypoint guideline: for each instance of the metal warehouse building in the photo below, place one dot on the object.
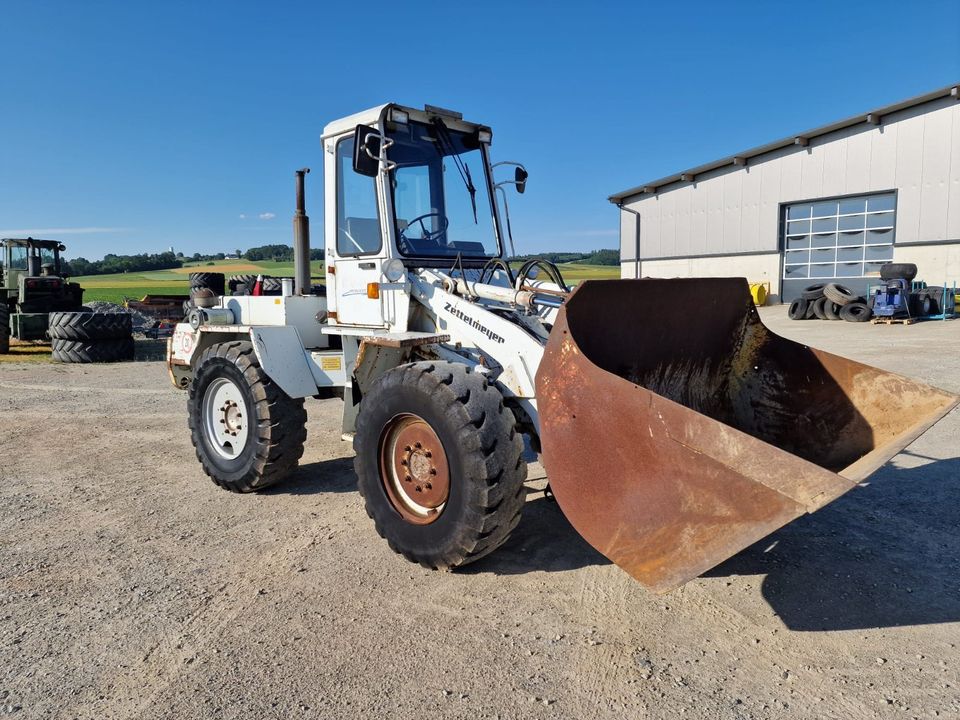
(833, 203)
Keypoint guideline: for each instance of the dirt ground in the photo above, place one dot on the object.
(132, 587)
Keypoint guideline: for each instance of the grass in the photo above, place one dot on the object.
(120, 286)
(117, 287)
(575, 273)
(25, 352)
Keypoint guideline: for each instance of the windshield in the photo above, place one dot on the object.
(441, 200)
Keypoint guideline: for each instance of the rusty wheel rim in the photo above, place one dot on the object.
(414, 469)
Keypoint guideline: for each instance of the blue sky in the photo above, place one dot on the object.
(134, 126)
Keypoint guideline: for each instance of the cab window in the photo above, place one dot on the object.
(18, 258)
(358, 220)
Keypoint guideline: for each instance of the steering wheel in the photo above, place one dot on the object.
(426, 233)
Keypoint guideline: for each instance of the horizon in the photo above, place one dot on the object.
(184, 124)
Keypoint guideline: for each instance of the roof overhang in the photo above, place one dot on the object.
(741, 159)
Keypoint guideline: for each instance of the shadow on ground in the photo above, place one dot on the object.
(146, 350)
(883, 555)
(544, 541)
(326, 476)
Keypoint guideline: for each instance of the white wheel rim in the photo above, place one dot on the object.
(225, 418)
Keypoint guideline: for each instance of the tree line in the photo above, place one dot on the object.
(112, 263)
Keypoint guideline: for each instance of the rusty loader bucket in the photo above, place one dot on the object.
(678, 430)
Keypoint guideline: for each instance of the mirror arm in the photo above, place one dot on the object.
(385, 142)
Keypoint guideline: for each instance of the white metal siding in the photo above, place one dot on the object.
(915, 151)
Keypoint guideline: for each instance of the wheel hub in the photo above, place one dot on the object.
(224, 418)
(414, 469)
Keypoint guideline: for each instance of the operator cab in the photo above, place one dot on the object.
(413, 188)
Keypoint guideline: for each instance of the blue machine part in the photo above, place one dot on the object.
(893, 300)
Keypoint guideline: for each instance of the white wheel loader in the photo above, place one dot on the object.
(675, 428)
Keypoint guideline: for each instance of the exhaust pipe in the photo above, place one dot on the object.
(301, 240)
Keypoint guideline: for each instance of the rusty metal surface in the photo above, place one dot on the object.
(678, 430)
(414, 469)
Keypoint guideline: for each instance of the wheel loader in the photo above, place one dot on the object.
(31, 287)
(674, 427)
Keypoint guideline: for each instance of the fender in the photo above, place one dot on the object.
(279, 350)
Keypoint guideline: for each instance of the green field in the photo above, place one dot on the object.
(121, 286)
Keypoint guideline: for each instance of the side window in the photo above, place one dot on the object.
(18, 258)
(358, 222)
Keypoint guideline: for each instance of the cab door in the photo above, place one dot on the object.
(360, 250)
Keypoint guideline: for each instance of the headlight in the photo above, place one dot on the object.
(393, 269)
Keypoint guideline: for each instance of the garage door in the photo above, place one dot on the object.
(844, 240)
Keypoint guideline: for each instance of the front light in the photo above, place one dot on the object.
(393, 269)
(485, 136)
(399, 116)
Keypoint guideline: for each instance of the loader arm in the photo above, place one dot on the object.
(483, 333)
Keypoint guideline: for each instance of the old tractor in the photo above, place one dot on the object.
(32, 286)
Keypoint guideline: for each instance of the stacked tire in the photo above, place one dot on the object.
(4, 328)
(91, 337)
(244, 284)
(241, 284)
(208, 281)
(204, 285)
(829, 301)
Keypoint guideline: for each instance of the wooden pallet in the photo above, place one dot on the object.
(893, 321)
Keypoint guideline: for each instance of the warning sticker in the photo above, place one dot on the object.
(330, 363)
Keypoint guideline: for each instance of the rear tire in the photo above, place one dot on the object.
(247, 432)
(4, 328)
(90, 325)
(469, 442)
(87, 351)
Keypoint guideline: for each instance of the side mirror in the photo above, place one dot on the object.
(366, 151)
(520, 177)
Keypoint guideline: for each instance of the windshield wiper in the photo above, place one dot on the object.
(473, 192)
(443, 135)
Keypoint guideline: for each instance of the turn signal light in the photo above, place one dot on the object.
(373, 291)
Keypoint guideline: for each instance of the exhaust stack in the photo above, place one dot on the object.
(301, 240)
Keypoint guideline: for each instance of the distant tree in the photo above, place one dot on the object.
(270, 252)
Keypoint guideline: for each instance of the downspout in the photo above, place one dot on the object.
(636, 239)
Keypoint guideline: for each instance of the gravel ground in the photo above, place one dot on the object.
(132, 587)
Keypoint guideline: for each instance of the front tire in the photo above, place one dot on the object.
(443, 425)
(247, 432)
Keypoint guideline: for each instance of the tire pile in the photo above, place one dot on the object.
(829, 301)
(205, 285)
(91, 337)
(243, 284)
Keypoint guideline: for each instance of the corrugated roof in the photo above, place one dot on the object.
(873, 117)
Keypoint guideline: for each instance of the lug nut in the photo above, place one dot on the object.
(403, 461)
(407, 478)
(428, 454)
